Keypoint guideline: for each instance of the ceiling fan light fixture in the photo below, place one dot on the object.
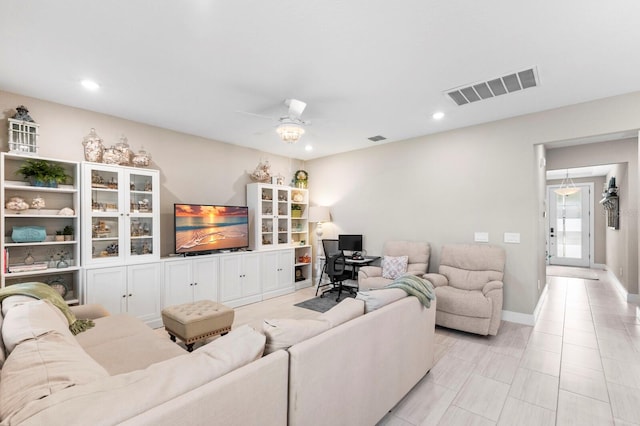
(290, 132)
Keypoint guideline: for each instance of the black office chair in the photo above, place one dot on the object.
(337, 272)
(330, 248)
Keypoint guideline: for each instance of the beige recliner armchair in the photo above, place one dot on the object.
(469, 287)
(418, 263)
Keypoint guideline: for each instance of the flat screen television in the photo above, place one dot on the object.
(351, 243)
(201, 228)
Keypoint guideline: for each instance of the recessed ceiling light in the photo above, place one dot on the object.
(308, 148)
(90, 85)
(438, 115)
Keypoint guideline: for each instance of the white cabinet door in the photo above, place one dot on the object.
(270, 271)
(143, 291)
(277, 273)
(285, 269)
(178, 282)
(205, 278)
(132, 289)
(251, 275)
(230, 278)
(107, 287)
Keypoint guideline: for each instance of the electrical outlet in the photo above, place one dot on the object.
(512, 237)
(621, 272)
(538, 284)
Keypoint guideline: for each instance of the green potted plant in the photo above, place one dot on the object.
(68, 233)
(43, 173)
(59, 236)
(296, 210)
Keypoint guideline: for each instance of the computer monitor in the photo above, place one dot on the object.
(351, 243)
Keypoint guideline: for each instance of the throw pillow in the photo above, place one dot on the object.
(376, 299)
(344, 311)
(394, 267)
(2, 351)
(42, 366)
(284, 333)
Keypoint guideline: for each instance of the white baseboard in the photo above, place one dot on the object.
(518, 317)
(629, 297)
(526, 319)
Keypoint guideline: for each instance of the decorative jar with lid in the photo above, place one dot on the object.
(93, 147)
(142, 158)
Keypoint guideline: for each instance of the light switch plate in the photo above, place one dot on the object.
(512, 237)
(481, 237)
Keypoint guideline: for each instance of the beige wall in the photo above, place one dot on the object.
(192, 169)
(441, 188)
(438, 188)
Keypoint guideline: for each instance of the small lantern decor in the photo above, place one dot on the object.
(23, 133)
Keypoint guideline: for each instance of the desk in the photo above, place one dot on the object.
(354, 263)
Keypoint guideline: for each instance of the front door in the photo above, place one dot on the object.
(569, 227)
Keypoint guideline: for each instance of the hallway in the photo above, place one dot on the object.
(580, 365)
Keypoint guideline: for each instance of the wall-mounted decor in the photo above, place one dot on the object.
(611, 204)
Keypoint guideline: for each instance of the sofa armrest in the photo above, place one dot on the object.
(436, 279)
(491, 285)
(365, 272)
(89, 311)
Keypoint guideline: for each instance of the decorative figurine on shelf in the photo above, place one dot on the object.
(147, 186)
(59, 285)
(300, 179)
(38, 203)
(16, 205)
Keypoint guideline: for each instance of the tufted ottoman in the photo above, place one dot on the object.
(191, 322)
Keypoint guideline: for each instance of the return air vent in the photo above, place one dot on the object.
(498, 86)
(376, 138)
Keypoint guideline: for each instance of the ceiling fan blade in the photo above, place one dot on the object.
(256, 115)
(296, 107)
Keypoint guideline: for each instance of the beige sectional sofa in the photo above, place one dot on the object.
(122, 372)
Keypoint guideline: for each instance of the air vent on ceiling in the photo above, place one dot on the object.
(498, 86)
(377, 138)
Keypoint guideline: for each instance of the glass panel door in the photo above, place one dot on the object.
(569, 227)
(106, 214)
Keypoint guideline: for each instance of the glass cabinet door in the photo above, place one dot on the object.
(105, 213)
(142, 204)
(123, 219)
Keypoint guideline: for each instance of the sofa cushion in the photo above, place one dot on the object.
(116, 399)
(344, 311)
(394, 267)
(463, 302)
(283, 333)
(30, 320)
(376, 299)
(42, 366)
(122, 343)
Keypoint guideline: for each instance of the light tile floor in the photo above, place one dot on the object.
(580, 365)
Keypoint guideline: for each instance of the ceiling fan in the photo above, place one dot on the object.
(290, 127)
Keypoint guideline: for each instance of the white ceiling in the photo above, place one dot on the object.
(364, 67)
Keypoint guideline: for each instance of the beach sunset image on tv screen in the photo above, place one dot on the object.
(203, 228)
